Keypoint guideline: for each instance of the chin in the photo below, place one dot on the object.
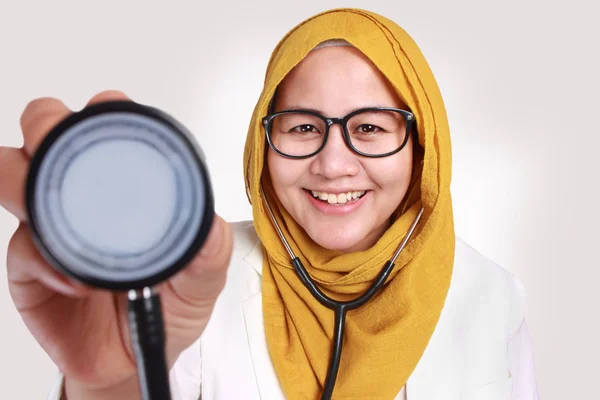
(345, 241)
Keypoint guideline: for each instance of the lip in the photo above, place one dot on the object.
(337, 190)
(332, 209)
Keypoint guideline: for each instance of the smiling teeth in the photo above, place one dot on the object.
(340, 198)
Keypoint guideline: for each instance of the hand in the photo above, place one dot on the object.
(85, 330)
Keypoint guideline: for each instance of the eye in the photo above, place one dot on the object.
(306, 128)
(368, 128)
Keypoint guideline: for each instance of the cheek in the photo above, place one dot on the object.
(284, 173)
(392, 174)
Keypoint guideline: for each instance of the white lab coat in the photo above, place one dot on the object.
(480, 349)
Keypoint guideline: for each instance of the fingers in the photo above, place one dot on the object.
(38, 118)
(42, 114)
(13, 175)
(201, 281)
(108, 95)
(31, 279)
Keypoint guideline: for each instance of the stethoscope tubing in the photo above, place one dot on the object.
(340, 308)
(148, 340)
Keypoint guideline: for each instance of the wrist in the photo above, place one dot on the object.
(126, 390)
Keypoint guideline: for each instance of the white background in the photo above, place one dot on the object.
(521, 87)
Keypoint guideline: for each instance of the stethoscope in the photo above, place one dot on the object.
(340, 308)
(118, 197)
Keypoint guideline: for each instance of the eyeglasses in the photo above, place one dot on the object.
(370, 132)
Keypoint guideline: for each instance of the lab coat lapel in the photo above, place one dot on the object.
(439, 372)
(268, 384)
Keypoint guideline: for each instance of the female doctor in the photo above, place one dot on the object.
(349, 149)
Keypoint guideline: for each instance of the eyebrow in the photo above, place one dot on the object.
(300, 108)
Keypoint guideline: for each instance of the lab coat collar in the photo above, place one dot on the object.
(254, 258)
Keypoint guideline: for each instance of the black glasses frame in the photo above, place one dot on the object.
(343, 122)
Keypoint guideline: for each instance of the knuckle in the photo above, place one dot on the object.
(13, 175)
(108, 95)
(210, 269)
(15, 247)
(42, 105)
(213, 269)
(38, 127)
(220, 260)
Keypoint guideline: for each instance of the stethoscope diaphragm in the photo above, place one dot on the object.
(118, 196)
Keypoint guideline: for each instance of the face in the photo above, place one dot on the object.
(335, 81)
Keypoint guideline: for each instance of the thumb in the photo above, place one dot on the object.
(200, 282)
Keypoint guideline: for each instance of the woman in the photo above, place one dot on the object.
(345, 192)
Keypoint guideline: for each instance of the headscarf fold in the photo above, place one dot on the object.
(386, 337)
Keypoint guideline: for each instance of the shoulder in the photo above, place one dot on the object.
(245, 265)
(487, 285)
(484, 307)
(244, 235)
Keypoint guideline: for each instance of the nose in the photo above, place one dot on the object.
(336, 159)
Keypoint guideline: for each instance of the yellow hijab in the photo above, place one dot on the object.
(386, 337)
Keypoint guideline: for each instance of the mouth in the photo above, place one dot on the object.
(337, 198)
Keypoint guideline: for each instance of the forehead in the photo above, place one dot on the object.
(336, 79)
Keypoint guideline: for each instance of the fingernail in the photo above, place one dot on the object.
(213, 240)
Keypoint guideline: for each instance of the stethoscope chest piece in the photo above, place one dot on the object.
(118, 196)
